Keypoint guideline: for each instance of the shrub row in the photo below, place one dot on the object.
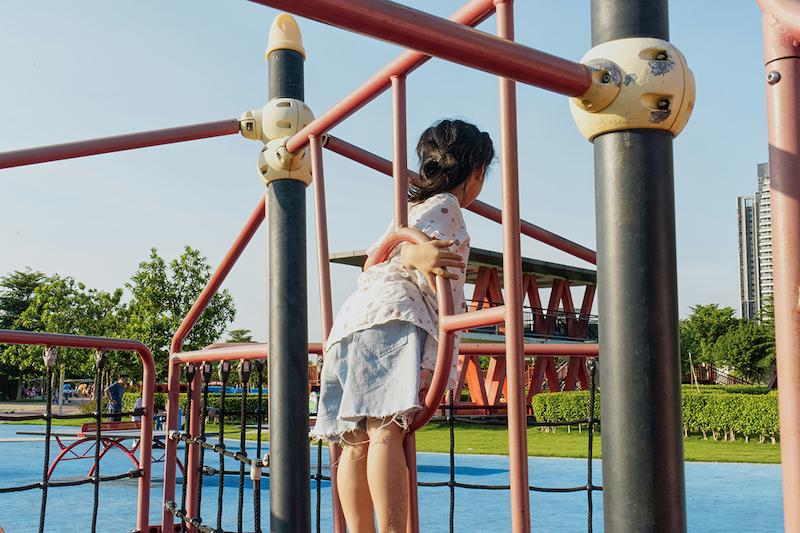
(726, 414)
(564, 406)
(233, 404)
(722, 411)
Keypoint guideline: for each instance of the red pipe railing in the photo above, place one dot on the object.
(148, 388)
(431, 35)
(399, 155)
(56, 152)
(375, 162)
(472, 14)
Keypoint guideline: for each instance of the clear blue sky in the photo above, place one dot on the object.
(86, 69)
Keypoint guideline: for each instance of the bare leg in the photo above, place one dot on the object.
(352, 483)
(386, 473)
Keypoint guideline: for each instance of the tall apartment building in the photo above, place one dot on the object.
(764, 208)
(748, 256)
(755, 246)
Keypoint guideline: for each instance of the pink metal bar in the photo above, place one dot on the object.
(512, 276)
(56, 152)
(781, 26)
(533, 350)
(400, 158)
(148, 388)
(324, 265)
(326, 306)
(420, 31)
(475, 319)
(472, 14)
(384, 166)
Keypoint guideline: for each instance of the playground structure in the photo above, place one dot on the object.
(636, 258)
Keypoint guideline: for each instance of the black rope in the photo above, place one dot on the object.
(452, 483)
(590, 365)
(224, 373)
(48, 410)
(259, 364)
(98, 409)
(318, 477)
(134, 473)
(242, 435)
(207, 369)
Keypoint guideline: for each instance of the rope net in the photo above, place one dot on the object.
(94, 478)
(255, 464)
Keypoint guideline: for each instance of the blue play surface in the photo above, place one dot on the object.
(720, 497)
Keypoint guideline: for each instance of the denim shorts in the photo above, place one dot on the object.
(370, 373)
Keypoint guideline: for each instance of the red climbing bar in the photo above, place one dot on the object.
(512, 277)
(781, 26)
(321, 216)
(56, 152)
(475, 319)
(472, 14)
(148, 388)
(431, 35)
(537, 350)
(399, 156)
(380, 164)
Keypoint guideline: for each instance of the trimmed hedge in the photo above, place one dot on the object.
(722, 411)
(564, 406)
(233, 404)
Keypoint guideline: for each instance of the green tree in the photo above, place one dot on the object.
(16, 291)
(748, 348)
(700, 331)
(62, 305)
(162, 296)
(240, 335)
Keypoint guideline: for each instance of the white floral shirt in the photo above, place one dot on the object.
(389, 291)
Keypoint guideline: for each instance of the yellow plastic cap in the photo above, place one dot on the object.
(285, 33)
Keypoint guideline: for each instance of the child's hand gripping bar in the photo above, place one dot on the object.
(444, 359)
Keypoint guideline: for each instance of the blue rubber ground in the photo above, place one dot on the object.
(721, 497)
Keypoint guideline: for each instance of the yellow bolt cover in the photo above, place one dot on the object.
(637, 83)
(285, 33)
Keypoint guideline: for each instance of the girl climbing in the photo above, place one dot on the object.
(382, 347)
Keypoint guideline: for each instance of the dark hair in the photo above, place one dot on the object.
(123, 376)
(449, 152)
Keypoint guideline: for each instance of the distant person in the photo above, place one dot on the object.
(136, 406)
(114, 393)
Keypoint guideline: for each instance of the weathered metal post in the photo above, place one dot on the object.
(286, 175)
(641, 97)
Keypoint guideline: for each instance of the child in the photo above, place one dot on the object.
(382, 347)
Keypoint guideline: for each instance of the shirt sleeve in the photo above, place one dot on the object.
(441, 219)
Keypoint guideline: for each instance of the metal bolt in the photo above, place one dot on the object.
(664, 104)
(773, 78)
(606, 78)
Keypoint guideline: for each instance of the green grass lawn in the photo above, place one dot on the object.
(493, 440)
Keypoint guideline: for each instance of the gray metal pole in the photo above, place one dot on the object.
(643, 475)
(290, 498)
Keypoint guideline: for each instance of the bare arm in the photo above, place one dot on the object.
(432, 259)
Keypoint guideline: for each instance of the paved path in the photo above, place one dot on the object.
(31, 408)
